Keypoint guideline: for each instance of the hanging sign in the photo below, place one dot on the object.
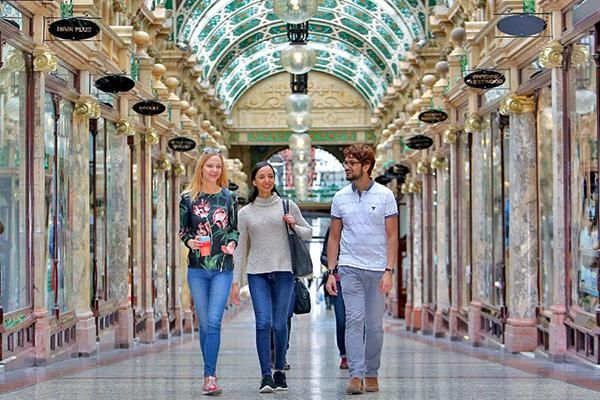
(233, 186)
(74, 28)
(419, 142)
(397, 170)
(114, 83)
(521, 25)
(433, 116)
(383, 179)
(149, 107)
(484, 79)
(182, 144)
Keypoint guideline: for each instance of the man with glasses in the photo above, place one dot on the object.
(367, 247)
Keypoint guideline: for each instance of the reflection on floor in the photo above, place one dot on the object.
(413, 367)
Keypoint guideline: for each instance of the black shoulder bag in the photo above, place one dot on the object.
(301, 298)
(301, 262)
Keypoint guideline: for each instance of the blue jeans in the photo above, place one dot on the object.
(340, 320)
(271, 294)
(210, 290)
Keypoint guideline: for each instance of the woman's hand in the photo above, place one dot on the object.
(331, 285)
(234, 294)
(194, 244)
(289, 219)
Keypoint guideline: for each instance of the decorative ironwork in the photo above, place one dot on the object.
(297, 33)
(299, 83)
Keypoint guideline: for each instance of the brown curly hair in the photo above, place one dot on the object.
(363, 153)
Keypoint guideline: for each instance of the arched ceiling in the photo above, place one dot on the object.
(237, 43)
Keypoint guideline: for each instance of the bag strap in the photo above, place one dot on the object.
(286, 209)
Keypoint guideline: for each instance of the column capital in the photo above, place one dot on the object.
(473, 124)
(44, 59)
(551, 55)
(124, 127)
(516, 105)
(450, 135)
(88, 107)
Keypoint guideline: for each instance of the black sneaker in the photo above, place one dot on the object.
(266, 385)
(286, 366)
(279, 380)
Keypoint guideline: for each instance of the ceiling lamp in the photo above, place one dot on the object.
(298, 58)
(295, 11)
(298, 103)
(299, 122)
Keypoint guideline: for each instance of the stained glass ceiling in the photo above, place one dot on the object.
(237, 43)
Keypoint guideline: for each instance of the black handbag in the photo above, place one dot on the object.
(301, 261)
(302, 298)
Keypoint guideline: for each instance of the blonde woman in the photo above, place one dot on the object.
(208, 227)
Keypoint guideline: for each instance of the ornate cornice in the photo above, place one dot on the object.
(516, 105)
(43, 59)
(551, 55)
(473, 124)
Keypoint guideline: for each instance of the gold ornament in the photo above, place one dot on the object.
(179, 169)
(473, 124)
(414, 187)
(450, 135)
(551, 55)
(580, 55)
(43, 59)
(15, 61)
(87, 107)
(162, 163)
(516, 104)
(422, 167)
(125, 127)
(404, 188)
(438, 162)
(150, 137)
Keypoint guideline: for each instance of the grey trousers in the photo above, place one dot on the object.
(365, 306)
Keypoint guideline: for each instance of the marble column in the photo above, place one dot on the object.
(442, 242)
(40, 229)
(177, 251)
(80, 231)
(454, 239)
(522, 268)
(145, 170)
(428, 252)
(558, 331)
(417, 266)
(474, 125)
(408, 306)
(160, 253)
(117, 210)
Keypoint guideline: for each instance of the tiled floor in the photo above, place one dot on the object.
(413, 367)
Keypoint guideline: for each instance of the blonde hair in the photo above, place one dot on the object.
(195, 186)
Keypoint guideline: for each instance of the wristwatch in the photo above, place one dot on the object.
(332, 271)
(390, 270)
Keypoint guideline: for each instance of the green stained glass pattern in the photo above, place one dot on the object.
(367, 5)
(321, 28)
(219, 49)
(381, 48)
(358, 14)
(246, 26)
(351, 39)
(373, 56)
(257, 37)
(355, 26)
(324, 15)
(278, 30)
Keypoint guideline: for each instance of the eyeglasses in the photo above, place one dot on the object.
(350, 163)
(211, 150)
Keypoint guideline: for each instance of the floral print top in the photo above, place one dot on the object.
(213, 215)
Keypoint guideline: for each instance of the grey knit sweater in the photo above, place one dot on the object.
(263, 244)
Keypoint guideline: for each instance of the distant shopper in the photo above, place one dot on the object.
(208, 227)
(264, 253)
(367, 248)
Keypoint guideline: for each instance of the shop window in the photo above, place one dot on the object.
(12, 16)
(584, 176)
(545, 195)
(494, 140)
(14, 279)
(464, 209)
(98, 173)
(58, 128)
(432, 290)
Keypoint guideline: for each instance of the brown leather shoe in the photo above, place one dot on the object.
(355, 386)
(371, 384)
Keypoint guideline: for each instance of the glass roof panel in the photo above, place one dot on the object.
(360, 41)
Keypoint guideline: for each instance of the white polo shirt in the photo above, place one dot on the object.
(364, 242)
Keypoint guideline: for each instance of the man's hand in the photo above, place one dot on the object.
(234, 295)
(386, 283)
(331, 285)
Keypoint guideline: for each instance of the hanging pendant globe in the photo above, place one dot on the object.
(298, 103)
(298, 58)
(299, 122)
(295, 11)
